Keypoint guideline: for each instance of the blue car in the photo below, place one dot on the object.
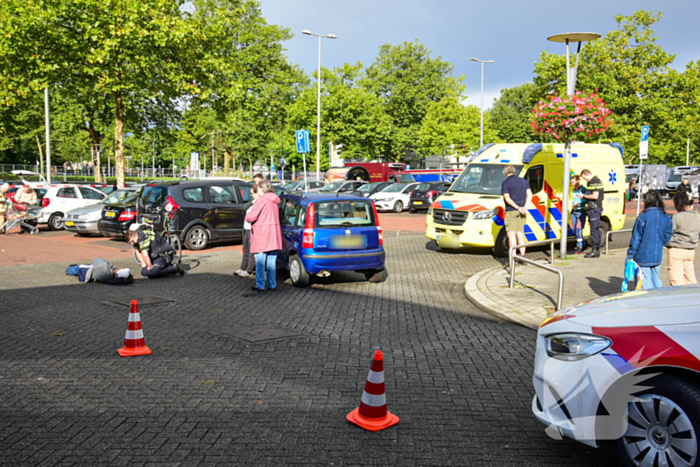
(325, 232)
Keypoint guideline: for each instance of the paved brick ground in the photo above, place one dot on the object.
(459, 379)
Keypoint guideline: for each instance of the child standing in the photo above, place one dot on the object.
(681, 248)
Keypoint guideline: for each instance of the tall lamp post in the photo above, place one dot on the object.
(481, 138)
(571, 74)
(318, 114)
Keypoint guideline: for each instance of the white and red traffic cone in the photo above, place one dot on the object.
(372, 414)
(134, 342)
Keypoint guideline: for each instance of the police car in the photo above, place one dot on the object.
(626, 369)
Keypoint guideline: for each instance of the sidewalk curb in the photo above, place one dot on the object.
(471, 290)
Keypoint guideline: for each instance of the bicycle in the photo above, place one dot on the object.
(171, 237)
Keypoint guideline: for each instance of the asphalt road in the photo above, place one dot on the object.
(460, 380)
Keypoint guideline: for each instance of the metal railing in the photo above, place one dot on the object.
(610, 232)
(512, 257)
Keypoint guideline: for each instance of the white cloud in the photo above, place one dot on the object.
(474, 98)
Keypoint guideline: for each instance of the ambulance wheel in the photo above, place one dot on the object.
(502, 245)
(604, 229)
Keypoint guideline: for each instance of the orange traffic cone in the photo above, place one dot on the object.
(134, 343)
(372, 414)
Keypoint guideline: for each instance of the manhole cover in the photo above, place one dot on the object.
(143, 301)
(265, 333)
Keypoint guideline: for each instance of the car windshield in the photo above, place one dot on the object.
(333, 186)
(344, 213)
(367, 187)
(292, 185)
(118, 196)
(406, 178)
(482, 179)
(676, 178)
(395, 188)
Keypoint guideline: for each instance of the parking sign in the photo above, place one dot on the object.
(303, 145)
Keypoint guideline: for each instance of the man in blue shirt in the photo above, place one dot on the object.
(517, 195)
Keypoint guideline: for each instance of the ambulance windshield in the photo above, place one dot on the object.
(482, 179)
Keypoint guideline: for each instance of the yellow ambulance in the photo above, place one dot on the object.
(472, 212)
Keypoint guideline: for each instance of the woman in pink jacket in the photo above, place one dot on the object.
(266, 236)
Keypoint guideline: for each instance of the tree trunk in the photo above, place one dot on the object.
(96, 139)
(227, 162)
(41, 154)
(119, 139)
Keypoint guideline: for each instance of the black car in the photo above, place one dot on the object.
(424, 195)
(202, 211)
(369, 189)
(116, 219)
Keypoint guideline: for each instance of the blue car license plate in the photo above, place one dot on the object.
(348, 241)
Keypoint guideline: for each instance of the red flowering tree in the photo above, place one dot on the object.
(571, 117)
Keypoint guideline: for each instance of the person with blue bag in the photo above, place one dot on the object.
(652, 230)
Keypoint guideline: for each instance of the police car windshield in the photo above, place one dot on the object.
(482, 179)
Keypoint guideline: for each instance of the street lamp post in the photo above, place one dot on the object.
(571, 74)
(481, 137)
(318, 114)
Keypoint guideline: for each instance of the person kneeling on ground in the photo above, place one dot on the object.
(155, 255)
(100, 271)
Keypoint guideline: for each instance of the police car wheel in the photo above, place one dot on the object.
(663, 425)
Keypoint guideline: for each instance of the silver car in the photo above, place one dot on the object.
(83, 221)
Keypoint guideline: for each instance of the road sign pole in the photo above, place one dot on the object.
(643, 154)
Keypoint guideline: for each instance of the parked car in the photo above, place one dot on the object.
(299, 185)
(325, 232)
(369, 189)
(203, 211)
(624, 368)
(340, 186)
(423, 195)
(83, 221)
(116, 218)
(60, 199)
(394, 197)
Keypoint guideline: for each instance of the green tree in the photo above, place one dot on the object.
(450, 128)
(510, 114)
(351, 116)
(633, 75)
(407, 79)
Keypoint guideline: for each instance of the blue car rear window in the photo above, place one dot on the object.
(344, 213)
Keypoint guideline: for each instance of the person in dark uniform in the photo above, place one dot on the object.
(685, 187)
(594, 208)
(154, 253)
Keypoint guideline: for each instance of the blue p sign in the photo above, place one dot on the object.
(302, 141)
(645, 133)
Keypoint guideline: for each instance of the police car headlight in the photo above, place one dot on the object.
(484, 214)
(573, 347)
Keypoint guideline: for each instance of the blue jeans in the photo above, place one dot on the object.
(577, 216)
(266, 261)
(651, 278)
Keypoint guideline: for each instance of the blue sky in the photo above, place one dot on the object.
(513, 33)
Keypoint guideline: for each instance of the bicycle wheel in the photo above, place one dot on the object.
(175, 243)
(135, 257)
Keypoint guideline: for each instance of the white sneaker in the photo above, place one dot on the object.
(238, 273)
(244, 274)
